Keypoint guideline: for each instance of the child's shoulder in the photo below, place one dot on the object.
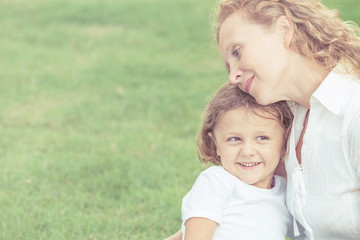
(217, 175)
(280, 182)
(280, 178)
(216, 179)
(216, 171)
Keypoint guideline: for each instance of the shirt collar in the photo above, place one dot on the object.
(332, 91)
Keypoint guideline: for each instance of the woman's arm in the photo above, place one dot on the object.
(197, 228)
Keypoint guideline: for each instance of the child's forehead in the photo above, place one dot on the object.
(250, 113)
(248, 121)
(261, 111)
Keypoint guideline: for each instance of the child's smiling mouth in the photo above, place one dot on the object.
(248, 164)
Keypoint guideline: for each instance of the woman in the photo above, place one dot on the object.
(299, 51)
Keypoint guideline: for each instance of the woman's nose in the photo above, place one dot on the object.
(235, 76)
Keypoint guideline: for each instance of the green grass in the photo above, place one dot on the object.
(100, 105)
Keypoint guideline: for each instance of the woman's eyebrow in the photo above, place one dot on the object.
(227, 66)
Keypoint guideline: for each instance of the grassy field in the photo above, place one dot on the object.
(101, 102)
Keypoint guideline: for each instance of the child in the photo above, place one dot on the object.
(240, 198)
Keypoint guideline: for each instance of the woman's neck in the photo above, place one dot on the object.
(306, 76)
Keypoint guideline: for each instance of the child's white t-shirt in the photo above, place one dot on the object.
(242, 211)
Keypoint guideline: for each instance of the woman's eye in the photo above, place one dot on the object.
(262, 138)
(236, 52)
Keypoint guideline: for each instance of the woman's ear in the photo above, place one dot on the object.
(286, 29)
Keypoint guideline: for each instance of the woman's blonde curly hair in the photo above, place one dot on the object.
(319, 33)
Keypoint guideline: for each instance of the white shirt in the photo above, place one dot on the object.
(242, 211)
(324, 191)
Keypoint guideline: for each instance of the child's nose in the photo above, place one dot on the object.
(247, 149)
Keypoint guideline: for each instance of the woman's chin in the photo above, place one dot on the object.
(263, 100)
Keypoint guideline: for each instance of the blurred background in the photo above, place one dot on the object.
(101, 102)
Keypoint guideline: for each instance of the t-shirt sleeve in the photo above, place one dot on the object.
(208, 196)
(355, 143)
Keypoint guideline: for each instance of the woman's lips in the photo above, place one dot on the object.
(247, 84)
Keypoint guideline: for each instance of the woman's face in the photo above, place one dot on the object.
(256, 57)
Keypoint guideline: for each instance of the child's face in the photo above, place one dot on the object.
(249, 145)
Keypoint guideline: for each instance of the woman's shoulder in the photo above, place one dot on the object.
(339, 93)
(346, 88)
(350, 108)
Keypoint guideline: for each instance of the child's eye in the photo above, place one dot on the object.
(233, 139)
(262, 138)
